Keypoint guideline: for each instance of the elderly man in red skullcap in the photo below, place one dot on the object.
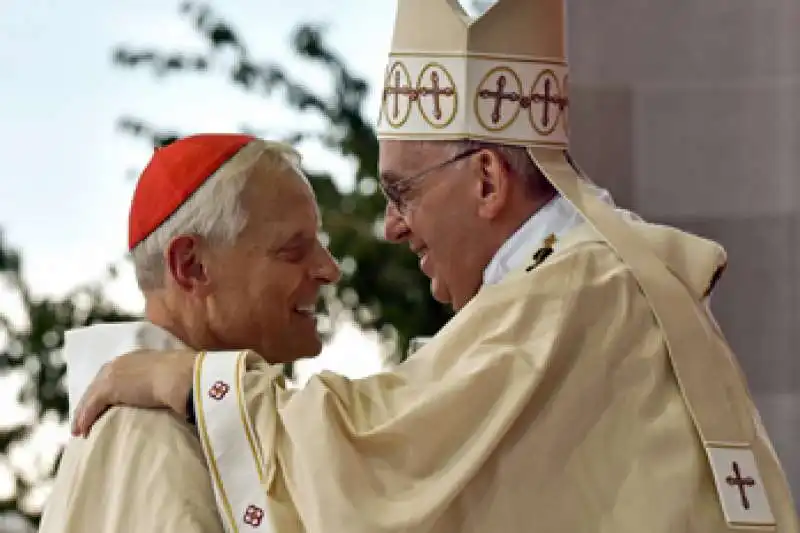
(223, 234)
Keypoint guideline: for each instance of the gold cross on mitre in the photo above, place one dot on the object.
(501, 77)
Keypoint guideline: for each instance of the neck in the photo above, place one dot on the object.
(524, 236)
(517, 215)
(181, 320)
(492, 238)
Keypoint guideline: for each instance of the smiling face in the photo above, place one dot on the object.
(263, 290)
(260, 292)
(454, 208)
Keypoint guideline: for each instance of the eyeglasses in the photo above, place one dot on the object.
(398, 191)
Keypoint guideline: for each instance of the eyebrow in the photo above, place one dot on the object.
(300, 237)
(279, 242)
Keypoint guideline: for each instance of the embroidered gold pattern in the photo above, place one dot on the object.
(437, 73)
(550, 95)
(219, 390)
(253, 515)
(401, 78)
(543, 253)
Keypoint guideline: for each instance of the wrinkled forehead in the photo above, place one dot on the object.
(406, 158)
(283, 196)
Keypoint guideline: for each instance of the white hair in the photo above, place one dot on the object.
(517, 159)
(214, 211)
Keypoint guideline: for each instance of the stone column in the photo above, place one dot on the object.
(689, 113)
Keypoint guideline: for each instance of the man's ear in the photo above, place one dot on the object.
(184, 261)
(495, 184)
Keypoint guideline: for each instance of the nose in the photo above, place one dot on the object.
(326, 269)
(395, 228)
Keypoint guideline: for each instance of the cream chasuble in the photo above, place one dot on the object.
(139, 470)
(587, 391)
(555, 218)
(547, 404)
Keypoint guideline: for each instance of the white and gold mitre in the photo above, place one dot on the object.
(501, 77)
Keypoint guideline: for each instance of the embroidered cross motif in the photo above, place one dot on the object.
(397, 90)
(253, 516)
(436, 91)
(499, 95)
(218, 390)
(736, 480)
(547, 98)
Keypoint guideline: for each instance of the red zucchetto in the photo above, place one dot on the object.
(174, 173)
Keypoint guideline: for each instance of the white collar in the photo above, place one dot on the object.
(557, 217)
(87, 349)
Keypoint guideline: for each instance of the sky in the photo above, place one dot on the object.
(66, 184)
(68, 171)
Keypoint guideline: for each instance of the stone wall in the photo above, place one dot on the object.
(689, 112)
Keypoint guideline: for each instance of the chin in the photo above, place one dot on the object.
(292, 353)
(442, 294)
(311, 353)
(439, 292)
(308, 350)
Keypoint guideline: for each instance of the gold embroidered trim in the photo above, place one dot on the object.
(461, 135)
(248, 430)
(202, 429)
(490, 57)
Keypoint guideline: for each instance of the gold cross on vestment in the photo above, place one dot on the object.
(543, 252)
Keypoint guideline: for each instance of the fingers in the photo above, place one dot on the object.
(92, 405)
(146, 379)
(79, 418)
(86, 417)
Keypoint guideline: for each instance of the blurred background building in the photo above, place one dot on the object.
(689, 112)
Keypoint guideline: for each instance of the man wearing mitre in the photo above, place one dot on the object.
(582, 386)
(223, 237)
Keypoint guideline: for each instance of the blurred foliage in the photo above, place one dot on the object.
(382, 287)
(30, 347)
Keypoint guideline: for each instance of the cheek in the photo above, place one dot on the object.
(441, 220)
(441, 233)
(424, 223)
(251, 306)
(269, 292)
(248, 291)
(279, 287)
